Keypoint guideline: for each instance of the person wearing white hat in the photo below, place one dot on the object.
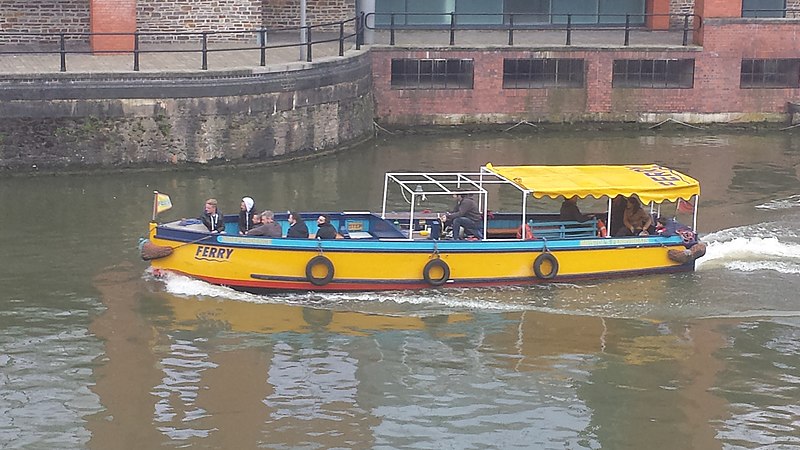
(246, 213)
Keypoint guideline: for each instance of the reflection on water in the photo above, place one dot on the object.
(96, 353)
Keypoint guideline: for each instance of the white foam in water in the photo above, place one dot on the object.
(752, 248)
(189, 287)
(782, 203)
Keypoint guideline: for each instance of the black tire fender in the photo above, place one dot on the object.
(314, 262)
(542, 259)
(436, 264)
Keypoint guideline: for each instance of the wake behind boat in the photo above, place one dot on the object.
(409, 250)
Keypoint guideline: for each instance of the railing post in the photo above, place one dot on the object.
(135, 51)
(452, 28)
(263, 49)
(204, 65)
(361, 24)
(341, 38)
(308, 42)
(569, 29)
(391, 29)
(63, 50)
(511, 29)
(627, 29)
(685, 29)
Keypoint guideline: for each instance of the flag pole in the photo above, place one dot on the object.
(155, 204)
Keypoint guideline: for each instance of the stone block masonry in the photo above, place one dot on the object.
(124, 120)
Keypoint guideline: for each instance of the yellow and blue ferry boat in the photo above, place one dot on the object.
(408, 250)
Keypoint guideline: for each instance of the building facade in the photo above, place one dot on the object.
(741, 61)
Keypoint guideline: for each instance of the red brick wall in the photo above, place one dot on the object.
(42, 16)
(112, 16)
(489, 102)
(727, 42)
(716, 82)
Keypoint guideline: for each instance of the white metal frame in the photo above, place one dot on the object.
(422, 184)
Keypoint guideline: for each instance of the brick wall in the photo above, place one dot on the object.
(678, 7)
(286, 13)
(488, 102)
(716, 82)
(726, 43)
(112, 16)
(169, 16)
(42, 16)
(72, 16)
(794, 8)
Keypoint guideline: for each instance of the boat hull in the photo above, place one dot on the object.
(263, 264)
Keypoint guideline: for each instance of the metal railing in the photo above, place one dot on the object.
(515, 22)
(354, 25)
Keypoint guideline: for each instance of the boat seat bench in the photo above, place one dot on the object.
(565, 229)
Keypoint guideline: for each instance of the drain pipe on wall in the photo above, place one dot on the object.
(303, 31)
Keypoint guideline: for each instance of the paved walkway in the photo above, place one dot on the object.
(187, 57)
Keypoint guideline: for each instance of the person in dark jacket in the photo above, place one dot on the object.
(666, 227)
(570, 211)
(268, 226)
(212, 218)
(617, 225)
(297, 228)
(326, 230)
(466, 215)
(247, 213)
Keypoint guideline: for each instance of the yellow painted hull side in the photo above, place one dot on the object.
(277, 268)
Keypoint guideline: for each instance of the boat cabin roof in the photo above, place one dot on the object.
(650, 182)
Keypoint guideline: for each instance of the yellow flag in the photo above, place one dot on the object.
(163, 203)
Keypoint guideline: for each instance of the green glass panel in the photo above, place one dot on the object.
(613, 11)
(763, 8)
(493, 10)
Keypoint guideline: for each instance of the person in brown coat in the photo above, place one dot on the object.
(637, 221)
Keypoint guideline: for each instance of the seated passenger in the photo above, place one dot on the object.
(212, 218)
(297, 227)
(666, 227)
(247, 213)
(637, 221)
(466, 215)
(268, 227)
(570, 211)
(326, 229)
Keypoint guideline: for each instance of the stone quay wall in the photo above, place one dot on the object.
(159, 120)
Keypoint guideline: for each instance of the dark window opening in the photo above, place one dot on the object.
(432, 73)
(770, 73)
(543, 72)
(763, 8)
(653, 73)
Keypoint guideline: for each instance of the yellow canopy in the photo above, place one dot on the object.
(649, 182)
